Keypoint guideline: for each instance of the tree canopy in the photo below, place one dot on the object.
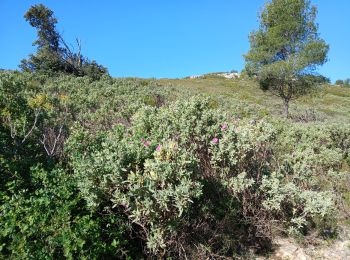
(286, 49)
(343, 83)
(54, 54)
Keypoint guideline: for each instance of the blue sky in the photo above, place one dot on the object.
(164, 38)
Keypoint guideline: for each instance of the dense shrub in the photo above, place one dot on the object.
(158, 169)
(50, 220)
(119, 168)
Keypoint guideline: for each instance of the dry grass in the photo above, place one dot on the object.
(331, 102)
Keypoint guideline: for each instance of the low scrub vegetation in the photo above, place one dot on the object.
(133, 168)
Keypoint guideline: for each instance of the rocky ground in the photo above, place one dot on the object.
(287, 249)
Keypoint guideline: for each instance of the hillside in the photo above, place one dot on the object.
(226, 165)
(329, 102)
(187, 168)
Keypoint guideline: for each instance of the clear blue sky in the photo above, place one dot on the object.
(164, 38)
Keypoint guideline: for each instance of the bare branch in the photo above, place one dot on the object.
(66, 46)
(12, 127)
(51, 149)
(56, 139)
(37, 113)
(79, 52)
(43, 142)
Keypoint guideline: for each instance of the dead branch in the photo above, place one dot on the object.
(36, 116)
(46, 140)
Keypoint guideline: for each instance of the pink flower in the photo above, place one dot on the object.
(145, 143)
(224, 126)
(158, 148)
(215, 140)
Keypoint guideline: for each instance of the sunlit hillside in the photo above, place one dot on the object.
(327, 102)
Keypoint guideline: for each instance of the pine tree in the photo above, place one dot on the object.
(286, 49)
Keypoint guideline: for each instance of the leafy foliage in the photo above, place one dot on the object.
(50, 220)
(54, 55)
(286, 49)
(343, 83)
(157, 169)
(118, 168)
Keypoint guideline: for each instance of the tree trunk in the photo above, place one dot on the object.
(286, 108)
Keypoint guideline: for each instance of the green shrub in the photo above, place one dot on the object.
(134, 174)
(50, 220)
(157, 169)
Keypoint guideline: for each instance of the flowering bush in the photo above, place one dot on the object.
(157, 169)
(117, 168)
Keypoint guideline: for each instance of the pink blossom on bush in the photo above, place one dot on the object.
(145, 143)
(224, 127)
(159, 147)
(215, 140)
